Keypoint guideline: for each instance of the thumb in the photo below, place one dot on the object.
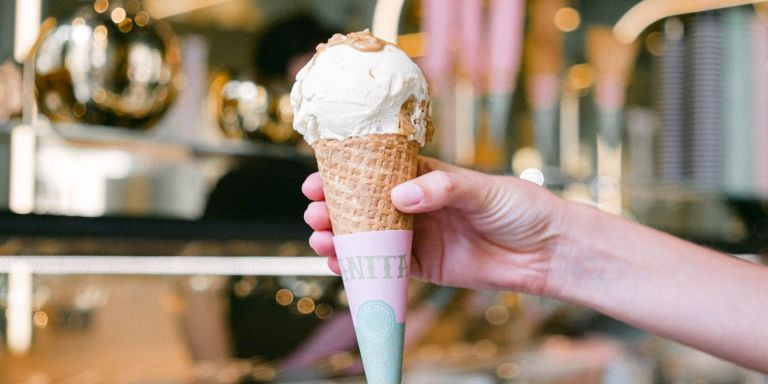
(443, 188)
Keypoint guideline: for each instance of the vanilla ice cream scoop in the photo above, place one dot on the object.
(357, 85)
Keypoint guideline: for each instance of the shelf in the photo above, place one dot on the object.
(158, 138)
(166, 265)
(50, 226)
(730, 223)
(684, 192)
(727, 222)
(241, 148)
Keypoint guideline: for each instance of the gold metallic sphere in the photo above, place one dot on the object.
(245, 109)
(106, 69)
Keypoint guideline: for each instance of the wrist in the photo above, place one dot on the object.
(580, 258)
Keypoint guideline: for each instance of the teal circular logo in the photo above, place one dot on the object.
(376, 319)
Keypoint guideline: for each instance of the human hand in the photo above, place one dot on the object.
(470, 229)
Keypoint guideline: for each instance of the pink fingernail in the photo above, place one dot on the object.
(407, 194)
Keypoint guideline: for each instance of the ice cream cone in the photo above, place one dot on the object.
(373, 240)
(363, 106)
(358, 176)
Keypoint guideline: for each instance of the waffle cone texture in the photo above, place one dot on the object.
(358, 176)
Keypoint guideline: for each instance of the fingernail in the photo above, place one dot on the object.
(312, 240)
(407, 194)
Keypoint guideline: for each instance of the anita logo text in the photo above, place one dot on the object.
(374, 267)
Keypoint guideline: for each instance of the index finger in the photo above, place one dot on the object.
(313, 187)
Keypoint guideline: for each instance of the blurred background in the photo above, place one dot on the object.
(153, 129)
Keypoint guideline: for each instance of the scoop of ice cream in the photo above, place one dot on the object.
(358, 85)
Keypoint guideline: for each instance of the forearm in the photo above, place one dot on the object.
(670, 287)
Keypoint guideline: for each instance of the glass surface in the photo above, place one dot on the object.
(135, 329)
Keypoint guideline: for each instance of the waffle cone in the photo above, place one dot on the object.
(358, 176)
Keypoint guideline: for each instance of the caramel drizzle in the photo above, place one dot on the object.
(406, 111)
(363, 41)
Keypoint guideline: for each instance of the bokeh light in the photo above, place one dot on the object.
(323, 311)
(581, 76)
(305, 305)
(142, 19)
(118, 15)
(497, 314)
(40, 319)
(284, 297)
(654, 43)
(101, 6)
(567, 19)
(508, 371)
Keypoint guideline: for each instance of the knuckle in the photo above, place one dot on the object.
(446, 181)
